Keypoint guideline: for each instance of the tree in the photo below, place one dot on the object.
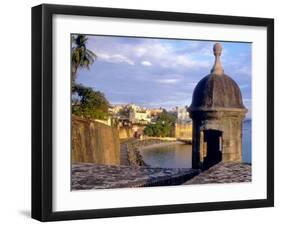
(148, 130)
(89, 103)
(158, 130)
(81, 56)
(163, 127)
(167, 117)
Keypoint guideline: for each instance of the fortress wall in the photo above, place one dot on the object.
(94, 142)
(125, 132)
(183, 131)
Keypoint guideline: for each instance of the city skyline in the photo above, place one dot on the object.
(156, 73)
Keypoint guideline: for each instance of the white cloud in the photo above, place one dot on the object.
(165, 56)
(140, 51)
(187, 62)
(115, 58)
(168, 104)
(168, 81)
(150, 52)
(146, 63)
(244, 70)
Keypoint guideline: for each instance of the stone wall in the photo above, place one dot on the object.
(229, 123)
(88, 176)
(224, 172)
(183, 131)
(125, 132)
(133, 155)
(94, 142)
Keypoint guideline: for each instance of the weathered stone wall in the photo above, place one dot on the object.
(94, 142)
(232, 138)
(183, 131)
(134, 156)
(224, 172)
(229, 122)
(88, 176)
(125, 132)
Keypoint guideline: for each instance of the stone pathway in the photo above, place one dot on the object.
(123, 154)
(94, 176)
(224, 173)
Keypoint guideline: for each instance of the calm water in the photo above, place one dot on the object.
(172, 156)
(179, 155)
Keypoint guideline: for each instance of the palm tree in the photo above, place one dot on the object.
(81, 57)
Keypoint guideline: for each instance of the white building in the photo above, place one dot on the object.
(131, 113)
(139, 114)
(183, 115)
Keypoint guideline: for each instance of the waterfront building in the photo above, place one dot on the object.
(139, 115)
(155, 113)
(183, 115)
(114, 110)
(217, 113)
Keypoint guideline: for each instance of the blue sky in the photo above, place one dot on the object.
(161, 72)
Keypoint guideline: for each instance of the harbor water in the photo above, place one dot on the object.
(179, 155)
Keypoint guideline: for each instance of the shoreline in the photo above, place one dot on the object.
(131, 151)
(158, 145)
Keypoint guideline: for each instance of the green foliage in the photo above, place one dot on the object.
(81, 56)
(163, 127)
(88, 103)
(167, 117)
(158, 130)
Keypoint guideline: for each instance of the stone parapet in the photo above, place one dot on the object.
(223, 172)
(96, 176)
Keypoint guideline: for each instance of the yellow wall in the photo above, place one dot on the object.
(183, 131)
(125, 132)
(94, 142)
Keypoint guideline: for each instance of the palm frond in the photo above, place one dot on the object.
(81, 56)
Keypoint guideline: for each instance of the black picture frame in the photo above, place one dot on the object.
(42, 107)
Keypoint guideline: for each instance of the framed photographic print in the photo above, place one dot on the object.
(145, 112)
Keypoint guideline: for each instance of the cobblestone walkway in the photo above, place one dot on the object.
(94, 176)
(224, 173)
(123, 154)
